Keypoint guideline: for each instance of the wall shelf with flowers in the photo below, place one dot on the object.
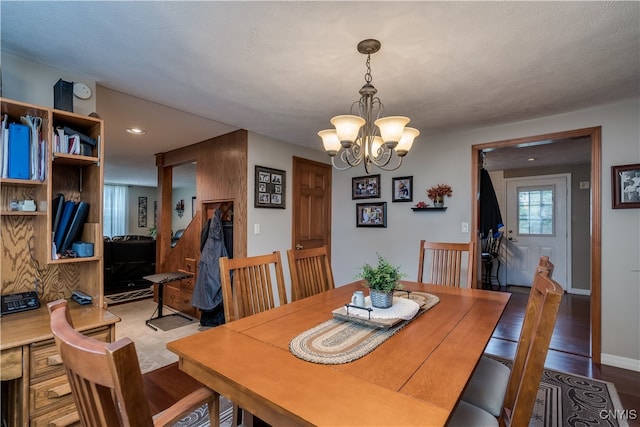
(437, 194)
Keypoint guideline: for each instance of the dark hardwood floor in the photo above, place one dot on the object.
(569, 352)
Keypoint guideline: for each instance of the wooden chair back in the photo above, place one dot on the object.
(310, 271)
(106, 381)
(445, 261)
(545, 266)
(247, 285)
(535, 337)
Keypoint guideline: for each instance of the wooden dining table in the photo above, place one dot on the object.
(414, 378)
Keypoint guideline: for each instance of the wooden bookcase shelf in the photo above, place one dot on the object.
(28, 236)
(26, 260)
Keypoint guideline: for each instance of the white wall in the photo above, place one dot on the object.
(275, 224)
(33, 83)
(447, 159)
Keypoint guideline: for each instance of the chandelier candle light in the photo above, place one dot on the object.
(368, 137)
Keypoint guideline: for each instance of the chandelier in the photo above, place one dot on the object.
(368, 137)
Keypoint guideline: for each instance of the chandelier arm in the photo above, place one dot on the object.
(384, 168)
(340, 168)
(351, 157)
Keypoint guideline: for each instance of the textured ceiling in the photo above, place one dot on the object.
(283, 69)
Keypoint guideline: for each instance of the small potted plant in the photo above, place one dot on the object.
(381, 281)
(437, 193)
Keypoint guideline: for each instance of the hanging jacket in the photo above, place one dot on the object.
(490, 217)
(207, 293)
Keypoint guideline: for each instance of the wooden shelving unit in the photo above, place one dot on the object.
(27, 263)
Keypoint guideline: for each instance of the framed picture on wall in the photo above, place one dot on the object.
(402, 189)
(371, 214)
(142, 211)
(625, 180)
(270, 187)
(365, 187)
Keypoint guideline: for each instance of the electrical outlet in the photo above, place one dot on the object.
(465, 227)
(584, 185)
(256, 228)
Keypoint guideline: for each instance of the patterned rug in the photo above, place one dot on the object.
(573, 400)
(200, 417)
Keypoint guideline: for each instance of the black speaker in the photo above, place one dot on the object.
(63, 96)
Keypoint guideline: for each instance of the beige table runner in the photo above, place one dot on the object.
(341, 341)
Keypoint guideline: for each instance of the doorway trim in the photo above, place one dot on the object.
(595, 133)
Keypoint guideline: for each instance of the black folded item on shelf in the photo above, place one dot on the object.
(83, 138)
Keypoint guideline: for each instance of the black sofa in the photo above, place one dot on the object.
(127, 259)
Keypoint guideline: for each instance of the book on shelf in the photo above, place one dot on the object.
(4, 147)
(23, 151)
(57, 206)
(63, 225)
(34, 124)
(69, 141)
(74, 144)
(75, 226)
(19, 152)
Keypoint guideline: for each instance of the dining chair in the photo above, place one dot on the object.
(445, 263)
(490, 255)
(545, 266)
(247, 285)
(310, 272)
(106, 381)
(493, 372)
(510, 393)
(247, 288)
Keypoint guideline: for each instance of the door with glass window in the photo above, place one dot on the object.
(537, 212)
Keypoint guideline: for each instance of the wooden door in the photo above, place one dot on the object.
(311, 204)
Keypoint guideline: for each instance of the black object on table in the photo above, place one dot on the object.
(160, 279)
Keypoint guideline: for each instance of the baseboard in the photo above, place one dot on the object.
(620, 362)
(576, 291)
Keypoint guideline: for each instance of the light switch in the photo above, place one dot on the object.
(584, 185)
(465, 227)
(256, 228)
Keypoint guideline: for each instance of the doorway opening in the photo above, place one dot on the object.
(555, 147)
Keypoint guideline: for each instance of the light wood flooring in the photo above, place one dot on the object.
(568, 352)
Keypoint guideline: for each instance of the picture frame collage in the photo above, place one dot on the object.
(374, 214)
(270, 188)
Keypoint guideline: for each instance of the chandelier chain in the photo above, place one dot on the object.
(367, 75)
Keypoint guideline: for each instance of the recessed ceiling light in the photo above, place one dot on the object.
(137, 131)
(530, 159)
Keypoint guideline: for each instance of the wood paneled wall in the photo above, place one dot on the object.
(221, 175)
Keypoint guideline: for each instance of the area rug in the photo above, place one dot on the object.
(151, 345)
(200, 417)
(128, 296)
(573, 400)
